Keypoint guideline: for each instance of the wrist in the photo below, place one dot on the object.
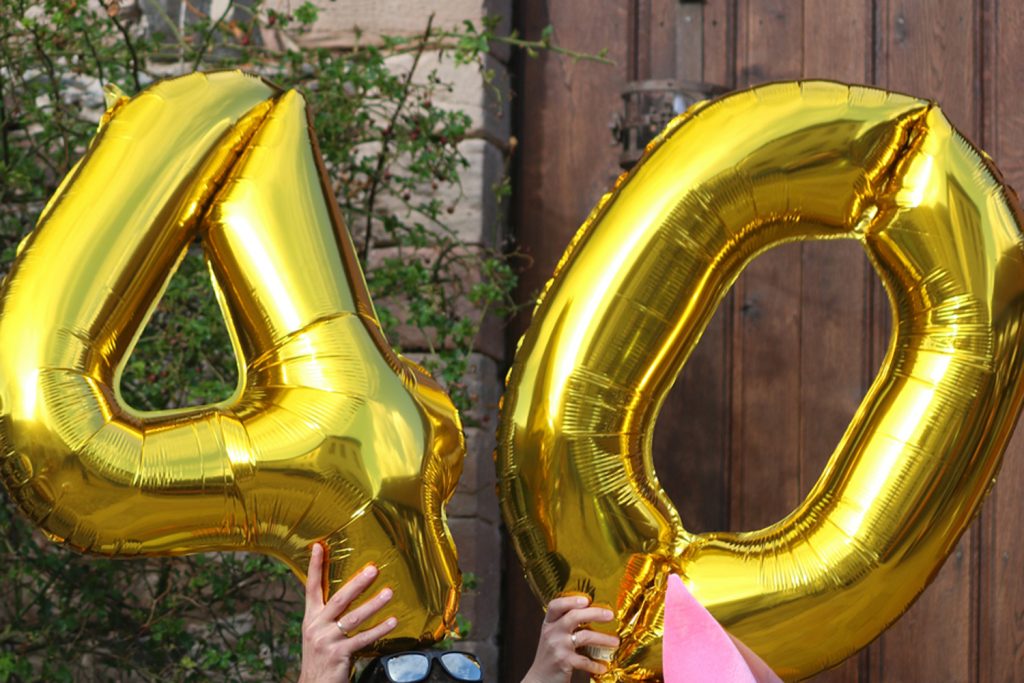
(535, 676)
(531, 677)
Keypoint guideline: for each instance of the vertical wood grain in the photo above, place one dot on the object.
(1001, 610)
(880, 313)
(564, 163)
(691, 436)
(640, 36)
(689, 47)
(931, 50)
(766, 329)
(662, 45)
(835, 355)
(566, 158)
(720, 42)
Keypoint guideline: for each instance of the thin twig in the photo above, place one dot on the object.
(158, 7)
(42, 591)
(5, 147)
(449, 41)
(127, 42)
(95, 56)
(600, 57)
(51, 75)
(209, 36)
(388, 132)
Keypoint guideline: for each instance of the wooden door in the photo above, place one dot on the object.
(777, 376)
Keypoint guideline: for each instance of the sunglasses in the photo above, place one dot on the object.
(412, 667)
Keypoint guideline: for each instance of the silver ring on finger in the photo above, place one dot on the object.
(572, 636)
(341, 628)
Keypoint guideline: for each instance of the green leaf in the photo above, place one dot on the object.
(307, 13)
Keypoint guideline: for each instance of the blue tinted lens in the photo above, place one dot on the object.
(408, 668)
(462, 666)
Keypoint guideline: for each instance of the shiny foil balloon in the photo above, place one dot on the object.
(329, 437)
(638, 285)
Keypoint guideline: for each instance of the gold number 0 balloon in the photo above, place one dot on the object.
(330, 436)
(629, 300)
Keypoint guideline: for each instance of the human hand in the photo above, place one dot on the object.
(327, 649)
(560, 638)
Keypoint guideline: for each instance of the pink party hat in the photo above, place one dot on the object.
(695, 648)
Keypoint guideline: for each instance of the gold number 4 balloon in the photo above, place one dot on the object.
(330, 436)
(723, 183)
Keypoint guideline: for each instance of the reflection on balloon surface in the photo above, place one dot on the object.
(330, 436)
(629, 301)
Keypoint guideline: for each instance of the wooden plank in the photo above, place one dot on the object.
(1001, 635)
(691, 437)
(566, 159)
(766, 380)
(769, 40)
(834, 300)
(719, 42)
(834, 353)
(1001, 625)
(835, 356)
(689, 48)
(662, 43)
(837, 40)
(930, 50)
(697, 412)
(640, 35)
(931, 642)
(765, 390)
(564, 164)
(880, 314)
(1001, 79)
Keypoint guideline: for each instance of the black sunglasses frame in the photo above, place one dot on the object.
(379, 665)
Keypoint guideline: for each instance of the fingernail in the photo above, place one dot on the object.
(370, 571)
(608, 614)
(386, 594)
(582, 602)
(391, 621)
